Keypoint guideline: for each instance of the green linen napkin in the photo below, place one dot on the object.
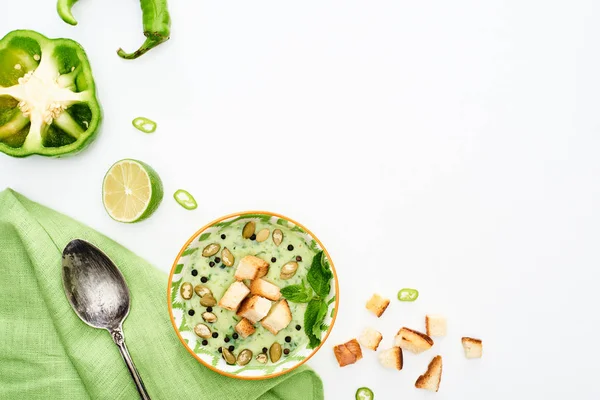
(46, 352)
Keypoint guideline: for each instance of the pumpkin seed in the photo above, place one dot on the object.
(262, 358)
(289, 270)
(248, 230)
(186, 290)
(244, 357)
(277, 237)
(202, 330)
(275, 352)
(262, 235)
(228, 258)
(202, 290)
(209, 317)
(208, 300)
(228, 356)
(211, 249)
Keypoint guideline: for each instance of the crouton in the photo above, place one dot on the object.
(347, 353)
(233, 296)
(278, 318)
(392, 358)
(436, 325)
(377, 304)
(265, 289)
(473, 347)
(413, 341)
(370, 338)
(430, 380)
(251, 267)
(254, 308)
(245, 328)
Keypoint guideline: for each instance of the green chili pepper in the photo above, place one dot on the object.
(364, 393)
(144, 124)
(48, 103)
(408, 294)
(185, 199)
(157, 24)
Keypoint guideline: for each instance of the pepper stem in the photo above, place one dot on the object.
(151, 42)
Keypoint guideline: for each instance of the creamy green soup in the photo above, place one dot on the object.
(213, 273)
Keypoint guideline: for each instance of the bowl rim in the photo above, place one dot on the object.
(241, 214)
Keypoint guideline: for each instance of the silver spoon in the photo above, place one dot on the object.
(99, 295)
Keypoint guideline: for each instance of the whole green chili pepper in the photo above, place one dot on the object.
(157, 24)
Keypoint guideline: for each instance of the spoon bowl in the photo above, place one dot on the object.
(99, 295)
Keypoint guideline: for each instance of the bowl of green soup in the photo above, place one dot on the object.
(253, 295)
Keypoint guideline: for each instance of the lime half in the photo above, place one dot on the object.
(131, 191)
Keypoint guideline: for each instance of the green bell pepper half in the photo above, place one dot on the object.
(48, 103)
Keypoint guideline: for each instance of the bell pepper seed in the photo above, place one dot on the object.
(144, 124)
(185, 199)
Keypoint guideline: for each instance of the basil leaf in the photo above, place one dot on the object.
(311, 315)
(319, 275)
(297, 293)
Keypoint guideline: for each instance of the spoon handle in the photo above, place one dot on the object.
(119, 339)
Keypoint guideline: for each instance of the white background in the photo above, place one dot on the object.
(451, 146)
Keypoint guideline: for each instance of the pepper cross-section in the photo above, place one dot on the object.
(48, 103)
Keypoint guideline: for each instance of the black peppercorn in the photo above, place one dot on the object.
(231, 348)
(290, 247)
(194, 272)
(204, 279)
(298, 327)
(211, 264)
(223, 236)
(253, 237)
(286, 351)
(227, 339)
(298, 258)
(273, 259)
(288, 339)
(209, 309)
(215, 335)
(235, 336)
(217, 260)
(204, 342)
(264, 349)
(220, 349)
(191, 312)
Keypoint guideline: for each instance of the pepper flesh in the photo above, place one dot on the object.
(185, 199)
(144, 124)
(408, 294)
(156, 20)
(48, 102)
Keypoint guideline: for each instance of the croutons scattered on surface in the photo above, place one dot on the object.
(233, 296)
(347, 353)
(245, 328)
(251, 267)
(391, 358)
(436, 325)
(278, 318)
(254, 308)
(265, 289)
(473, 347)
(370, 338)
(413, 341)
(377, 304)
(430, 380)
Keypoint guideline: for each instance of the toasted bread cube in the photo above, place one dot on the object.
(377, 304)
(370, 338)
(431, 379)
(392, 358)
(254, 308)
(279, 317)
(473, 347)
(436, 325)
(413, 341)
(251, 267)
(233, 296)
(265, 289)
(347, 353)
(245, 328)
